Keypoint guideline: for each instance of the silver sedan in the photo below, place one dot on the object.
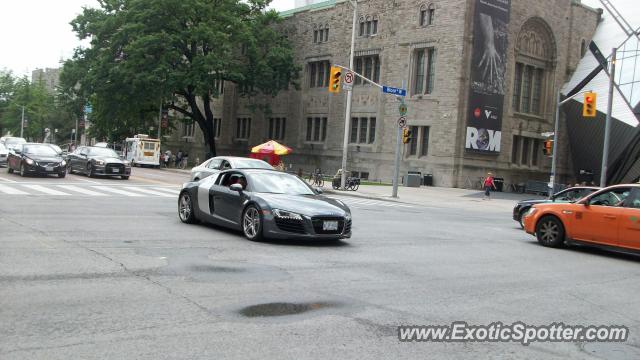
(220, 163)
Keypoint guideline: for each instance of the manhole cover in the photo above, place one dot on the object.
(282, 309)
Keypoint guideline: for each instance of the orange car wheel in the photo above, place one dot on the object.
(550, 232)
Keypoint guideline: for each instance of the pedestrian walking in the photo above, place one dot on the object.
(488, 185)
(178, 158)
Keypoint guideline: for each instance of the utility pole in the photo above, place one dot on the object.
(554, 159)
(347, 116)
(160, 120)
(396, 163)
(22, 123)
(607, 126)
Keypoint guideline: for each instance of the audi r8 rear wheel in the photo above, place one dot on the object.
(252, 223)
(550, 232)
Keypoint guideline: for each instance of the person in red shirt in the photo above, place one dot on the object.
(488, 185)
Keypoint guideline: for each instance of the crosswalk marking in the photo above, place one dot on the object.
(169, 190)
(81, 190)
(45, 190)
(371, 202)
(148, 191)
(116, 191)
(11, 191)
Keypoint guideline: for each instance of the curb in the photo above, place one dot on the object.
(368, 197)
(176, 171)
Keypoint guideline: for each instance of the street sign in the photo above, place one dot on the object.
(548, 134)
(348, 80)
(394, 91)
(402, 122)
(402, 109)
(81, 124)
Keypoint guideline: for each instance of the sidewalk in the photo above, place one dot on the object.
(437, 196)
(176, 170)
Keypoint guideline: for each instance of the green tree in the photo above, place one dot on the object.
(143, 52)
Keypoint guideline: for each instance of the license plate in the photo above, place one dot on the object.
(330, 225)
(48, 168)
(115, 170)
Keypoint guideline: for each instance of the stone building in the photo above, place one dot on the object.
(428, 45)
(49, 77)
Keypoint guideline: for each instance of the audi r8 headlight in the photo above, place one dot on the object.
(29, 161)
(63, 163)
(99, 162)
(347, 216)
(283, 214)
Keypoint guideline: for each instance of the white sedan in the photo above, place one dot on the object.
(220, 163)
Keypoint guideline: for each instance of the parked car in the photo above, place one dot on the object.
(4, 152)
(567, 195)
(220, 163)
(93, 161)
(36, 159)
(609, 217)
(264, 203)
(10, 141)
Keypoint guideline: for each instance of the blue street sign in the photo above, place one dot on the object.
(394, 91)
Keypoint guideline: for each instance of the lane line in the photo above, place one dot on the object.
(148, 191)
(45, 190)
(11, 191)
(173, 191)
(116, 191)
(7, 180)
(81, 190)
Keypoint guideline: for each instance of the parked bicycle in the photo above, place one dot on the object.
(351, 183)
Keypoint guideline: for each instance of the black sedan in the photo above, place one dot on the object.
(93, 161)
(36, 159)
(264, 203)
(567, 195)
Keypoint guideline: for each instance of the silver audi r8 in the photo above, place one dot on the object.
(264, 203)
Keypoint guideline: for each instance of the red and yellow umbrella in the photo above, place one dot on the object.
(271, 147)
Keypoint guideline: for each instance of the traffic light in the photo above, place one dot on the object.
(548, 147)
(589, 106)
(406, 136)
(334, 80)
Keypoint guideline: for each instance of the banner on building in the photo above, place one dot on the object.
(488, 74)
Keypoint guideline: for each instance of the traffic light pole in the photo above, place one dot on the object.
(607, 126)
(396, 164)
(554, 159)
(22, 124)
(347, 116)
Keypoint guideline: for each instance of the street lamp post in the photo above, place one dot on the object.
(347, 117)
(22, 123)
(607, 126)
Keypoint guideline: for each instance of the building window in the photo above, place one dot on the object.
(424, 71)
(216, 127)
(526, 151)
(363, 130)
(368, 26)
(369, 67)
(527, 89)
(321, 34)
(219, 86)
(419, 141)
(427, 14)
(277, 128)
(189, 129)
(319, 73)
(424, 143)
(316, 129)
(243, 128)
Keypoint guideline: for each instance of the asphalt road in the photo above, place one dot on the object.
(103, 269)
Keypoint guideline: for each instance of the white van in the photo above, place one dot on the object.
(142, 150)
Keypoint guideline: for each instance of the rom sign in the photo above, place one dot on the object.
(485, 140)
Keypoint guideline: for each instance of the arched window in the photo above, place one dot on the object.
(423, 15)
(431, 13)
(427, 14)
(320, 33)
(535, 57)
(368, 26)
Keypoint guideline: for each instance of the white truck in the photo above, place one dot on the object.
(142, 150)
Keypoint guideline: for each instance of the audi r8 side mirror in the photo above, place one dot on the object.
(236, 187)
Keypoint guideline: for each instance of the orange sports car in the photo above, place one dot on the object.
(609, 217)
